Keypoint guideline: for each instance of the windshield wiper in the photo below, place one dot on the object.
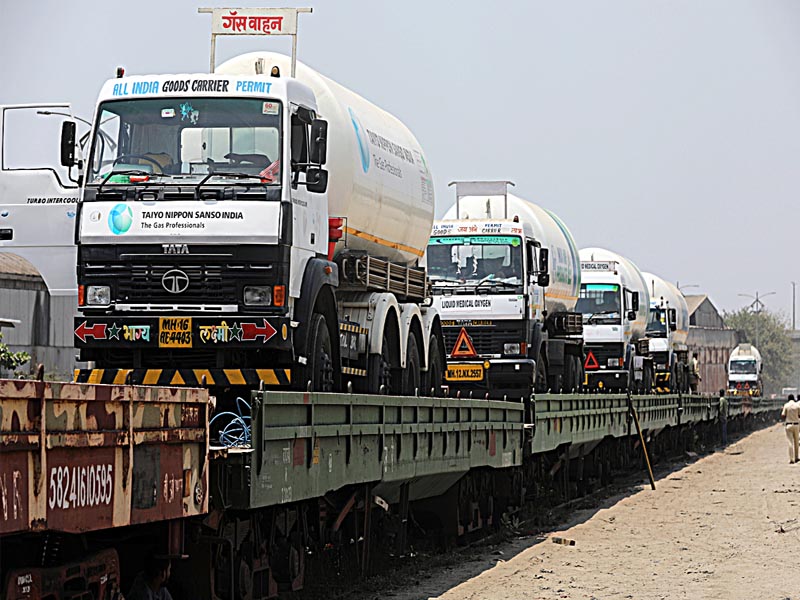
(231, 174)
(438, 278)
(601, 314)
(125, 172)
(496, 282)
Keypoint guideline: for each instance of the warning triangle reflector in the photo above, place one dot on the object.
(463, 347)
(591, 361)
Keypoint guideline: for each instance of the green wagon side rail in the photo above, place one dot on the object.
(307, 444)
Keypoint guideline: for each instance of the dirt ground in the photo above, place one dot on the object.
(726, 526)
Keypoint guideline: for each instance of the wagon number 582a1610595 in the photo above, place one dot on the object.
(76, 487)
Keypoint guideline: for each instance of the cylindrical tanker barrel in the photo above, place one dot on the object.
(564, 264)
(630, 277)
(664, 294)
(378, 175)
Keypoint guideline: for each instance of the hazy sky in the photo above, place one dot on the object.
(666, 130)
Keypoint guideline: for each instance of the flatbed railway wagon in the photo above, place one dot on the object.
(319, 483)
(91, 476)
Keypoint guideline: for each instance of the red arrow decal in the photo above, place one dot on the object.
(251, 331)
(96, 331)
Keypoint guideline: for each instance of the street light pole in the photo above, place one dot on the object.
(794, 306)
(758, 306)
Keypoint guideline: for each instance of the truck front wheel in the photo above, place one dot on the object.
(319, 370)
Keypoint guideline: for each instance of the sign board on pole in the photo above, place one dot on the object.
(253, 21)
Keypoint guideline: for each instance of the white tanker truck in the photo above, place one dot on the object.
(744, 371)
(245, 228)
(667, 331)
(615, 303)
(505, 277)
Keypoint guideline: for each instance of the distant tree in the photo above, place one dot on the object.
(773, 343)
(11, 360)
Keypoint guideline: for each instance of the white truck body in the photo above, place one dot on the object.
(667, 332)
(207, 223)
(615, 304)
(37, 210)
(379, 180)
(744, 371)
(484, 260)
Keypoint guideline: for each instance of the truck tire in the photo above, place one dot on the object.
(577, 374)
(380, 370)
(540, 382)
(319, 369)
(435, 375)
(411, 376)
(647, 379)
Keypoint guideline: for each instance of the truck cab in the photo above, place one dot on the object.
(667, 333)
(484, 281)
(202, 205)
(504, 278)
(38, 197)
(612, 325)
(744, 371)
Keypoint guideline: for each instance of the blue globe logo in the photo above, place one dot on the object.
(363, 147)
(120, 219)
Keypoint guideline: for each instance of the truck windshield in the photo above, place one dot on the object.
(658, 322)
(743, 367)
(599, 303)
(475, 259)
(187, 138)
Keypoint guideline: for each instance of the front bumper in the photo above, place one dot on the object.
(606, 379)
(138, 332)
(187, 377)
(499, 377)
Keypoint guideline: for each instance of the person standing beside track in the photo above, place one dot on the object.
(791, 412)
(694, 373)
(723, 416)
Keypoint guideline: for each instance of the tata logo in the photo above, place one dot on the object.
(175, 248)
(175, 281)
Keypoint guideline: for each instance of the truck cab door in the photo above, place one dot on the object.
(309, 209)
(38, 200)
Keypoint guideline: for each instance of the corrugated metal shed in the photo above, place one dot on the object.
(42, 324)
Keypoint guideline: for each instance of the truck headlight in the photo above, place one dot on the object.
(511, 349)
(258, 295)
(613, 362)
(98, 295)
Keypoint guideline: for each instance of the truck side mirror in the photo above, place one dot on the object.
(316, 180)
(530, 264)
(318, 152)
(635, 301)
(544, 263)
(673, 319)
(68, 143)
(543, 279)
(631, 315)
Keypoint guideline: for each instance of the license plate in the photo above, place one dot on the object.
(464, 373)
(175, 332)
